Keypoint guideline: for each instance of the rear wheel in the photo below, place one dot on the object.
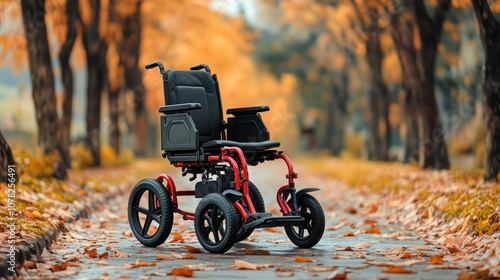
(309, 232)
(216, 223)
(150, 212)
(258, 204)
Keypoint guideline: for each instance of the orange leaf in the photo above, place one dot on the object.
(303, 259)
(29, 264)
(337, 275)
(370, 222)
(92, 253)
(177, 238)
(181, 271)
(164, 257)
(465, 275)
(239, 264)
(349, 233)
(59, 267)
(373, 230)
(350, 210)
(192, 249)
(104, 255)
(139, 263)
(250, 251)
(397, 269)
(436, 259)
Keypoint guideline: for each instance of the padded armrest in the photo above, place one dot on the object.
(247, 110)
(179, 108)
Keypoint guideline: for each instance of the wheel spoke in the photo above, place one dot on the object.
(206, 232)
(156, 211)
(151, 200)
(216, 235)
(301, 231)
(147, 225)
(140, 209)
(155, 218)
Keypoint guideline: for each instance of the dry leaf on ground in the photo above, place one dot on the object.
(181, 271)
(302, 259)
(397, 269)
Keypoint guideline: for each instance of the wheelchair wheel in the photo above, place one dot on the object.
(258, 204)
(308, 233)
(150, 212)
(216, 223)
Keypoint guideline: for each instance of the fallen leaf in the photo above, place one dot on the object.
(348, 234)
(373, 230)
(436, 259)
(239, 264)
(363, 245)
(104, 255)
(139, 263)
(177, 238)
(127, 233)
(251, 251)
(369, 222)
(118, 254)
(181, 271)
(59, 267)
(243, 265)
(192, 249)
(340, 248)
(29, 264)
(92, 253)
(397, 269)
(303, 259)
(337, 275)
(350, 210)
(321, 269)
(465, 275)
(123, 276)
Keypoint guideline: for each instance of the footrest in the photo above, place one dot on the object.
(265, 220)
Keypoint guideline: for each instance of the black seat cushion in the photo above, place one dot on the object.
(245, 146)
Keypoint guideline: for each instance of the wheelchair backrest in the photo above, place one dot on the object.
(189, 86)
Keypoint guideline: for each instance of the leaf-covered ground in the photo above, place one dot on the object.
(451, 209)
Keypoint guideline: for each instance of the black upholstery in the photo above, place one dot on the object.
(195, 93)
(196, 87)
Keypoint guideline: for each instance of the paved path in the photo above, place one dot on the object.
(102, 247)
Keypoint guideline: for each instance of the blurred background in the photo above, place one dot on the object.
(375, 79)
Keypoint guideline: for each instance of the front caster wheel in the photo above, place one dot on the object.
(150, 212)
(216, 223)
(309, 232)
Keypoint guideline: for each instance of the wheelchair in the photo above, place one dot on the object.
(195, 137)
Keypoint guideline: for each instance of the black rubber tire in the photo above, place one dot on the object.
(258, 204)
(308, 233)
(216, 237)
(161, 212)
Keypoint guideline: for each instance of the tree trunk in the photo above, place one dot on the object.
(378, 95)
(6, 159)
(418, 78)
(336, 115)
(489, 29)
(133, 77)
(379, 98)
(116, 84)
(42, 81)
(432, 135)
(95, 49)
(67, 76)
